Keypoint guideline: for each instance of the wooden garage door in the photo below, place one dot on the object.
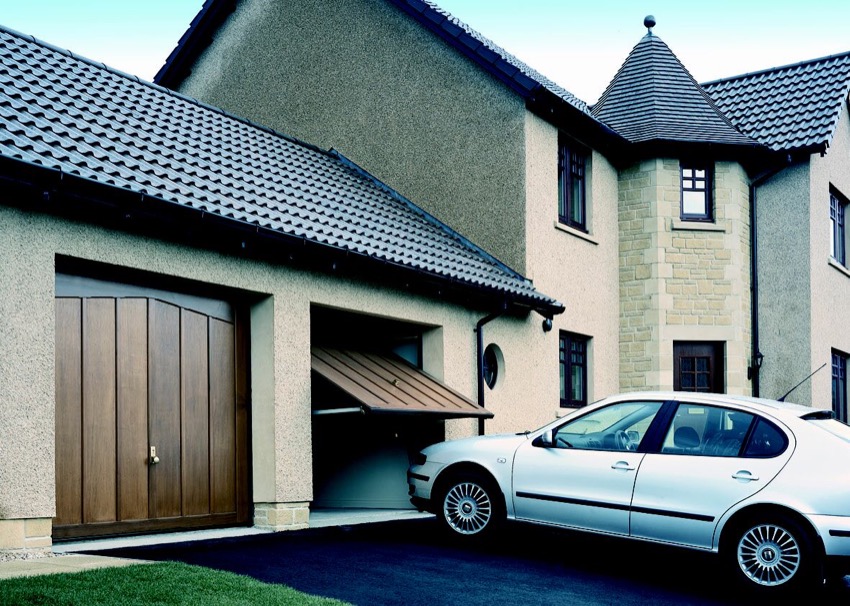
(151, 418)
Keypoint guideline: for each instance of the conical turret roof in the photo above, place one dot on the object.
(654, 98)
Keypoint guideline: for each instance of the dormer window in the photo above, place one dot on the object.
(696, 191)
(572, 165)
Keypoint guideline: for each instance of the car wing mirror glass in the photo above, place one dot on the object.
(544, 440)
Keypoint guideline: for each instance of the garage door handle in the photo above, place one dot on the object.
(622, 466)
(744, 475)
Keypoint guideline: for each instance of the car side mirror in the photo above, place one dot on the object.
(544, 440)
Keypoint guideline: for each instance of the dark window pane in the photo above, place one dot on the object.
(573, 369)
(766, 441)
(571, 185)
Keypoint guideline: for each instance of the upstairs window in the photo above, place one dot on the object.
(573, 356)
(838, 243)
(696, 192)
(839, 385)
(572, 166)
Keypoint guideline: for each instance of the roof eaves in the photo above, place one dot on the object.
(50, 189)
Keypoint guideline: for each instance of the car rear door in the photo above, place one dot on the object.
(584, 479)
(711, 458)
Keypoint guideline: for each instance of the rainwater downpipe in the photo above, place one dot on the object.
(756, 355)
(479, 333)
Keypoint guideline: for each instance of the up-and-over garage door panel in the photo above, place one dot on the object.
(148, 435)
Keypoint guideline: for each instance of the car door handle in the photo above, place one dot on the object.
(622, 466)
(744, 475)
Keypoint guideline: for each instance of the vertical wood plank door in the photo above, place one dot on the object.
(135, 374)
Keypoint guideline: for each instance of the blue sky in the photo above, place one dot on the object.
(579, 45)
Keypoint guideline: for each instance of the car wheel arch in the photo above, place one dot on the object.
(465, 467)
(762, 510)
(759, 515)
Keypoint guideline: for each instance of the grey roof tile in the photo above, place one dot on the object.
(69, 114)
(653, 97)
(790, 107)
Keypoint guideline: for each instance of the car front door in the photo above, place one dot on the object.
(711, 458)
(584, 476)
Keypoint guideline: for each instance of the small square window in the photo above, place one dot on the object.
(572, 184)
(837, 234)
(696, 192)
(573, 362)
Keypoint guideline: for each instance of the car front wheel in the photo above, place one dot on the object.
(774, 553)
(470, 505)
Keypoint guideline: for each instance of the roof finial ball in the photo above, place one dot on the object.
(649, 23)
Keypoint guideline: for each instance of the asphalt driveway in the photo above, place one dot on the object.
(411, 563)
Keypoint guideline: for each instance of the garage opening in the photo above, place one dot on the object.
(373, 409)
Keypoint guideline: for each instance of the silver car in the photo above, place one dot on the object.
(763, 483)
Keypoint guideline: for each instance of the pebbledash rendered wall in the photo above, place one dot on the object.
(803, 291)
(280, 360)
(682, 281)
(361, 77)
(581, 268)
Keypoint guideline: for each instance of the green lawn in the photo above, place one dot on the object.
(151, 584)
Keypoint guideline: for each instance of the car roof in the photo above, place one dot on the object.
(773, 407)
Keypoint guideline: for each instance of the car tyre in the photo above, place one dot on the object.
(772, 554)
(470, 505)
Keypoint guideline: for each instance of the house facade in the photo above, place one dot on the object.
(198, 310)
(207, 323)
(599, 205)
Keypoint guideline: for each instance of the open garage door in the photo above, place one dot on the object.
(371, 412)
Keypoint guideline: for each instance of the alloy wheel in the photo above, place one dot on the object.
(467, 508)
(768, 555)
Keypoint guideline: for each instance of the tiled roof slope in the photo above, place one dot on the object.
(790, 107)
(74, 116)
(653, 97)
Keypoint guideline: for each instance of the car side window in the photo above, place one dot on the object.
(711, 431)
(767, 440)
(620, 426)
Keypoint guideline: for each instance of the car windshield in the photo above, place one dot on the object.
(834, 426)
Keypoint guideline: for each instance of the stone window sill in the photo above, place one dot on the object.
(576, 232)
(679, 225)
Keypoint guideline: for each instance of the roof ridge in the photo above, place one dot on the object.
(777, 68)
(162, 89)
